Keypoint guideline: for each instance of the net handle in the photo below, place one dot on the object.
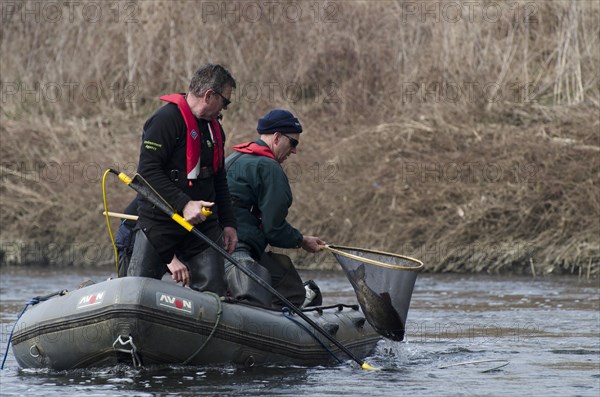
(336, 249)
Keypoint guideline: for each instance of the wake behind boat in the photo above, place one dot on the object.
(143, 321)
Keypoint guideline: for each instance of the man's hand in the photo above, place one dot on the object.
(179, 272)
(230, 239)
(192, 212)
(312, 244)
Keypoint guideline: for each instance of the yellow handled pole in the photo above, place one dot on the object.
(152, 196)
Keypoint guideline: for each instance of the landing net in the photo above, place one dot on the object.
(383, 284)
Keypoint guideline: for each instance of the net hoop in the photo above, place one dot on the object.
(337, 250)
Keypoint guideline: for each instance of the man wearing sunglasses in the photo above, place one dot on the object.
(262, 195)
(182, 158)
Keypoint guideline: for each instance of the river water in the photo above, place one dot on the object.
(467, 336)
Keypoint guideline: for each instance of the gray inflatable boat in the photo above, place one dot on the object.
(142, 321)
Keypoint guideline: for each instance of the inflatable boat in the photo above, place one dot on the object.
(142, 321)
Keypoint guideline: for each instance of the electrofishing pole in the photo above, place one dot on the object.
(143, 188)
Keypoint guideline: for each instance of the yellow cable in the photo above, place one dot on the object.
(110, 233)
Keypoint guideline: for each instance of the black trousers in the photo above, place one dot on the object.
(284, 278)
(155, 247)
(275, 269)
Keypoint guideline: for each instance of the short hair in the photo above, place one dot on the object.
(210, 77)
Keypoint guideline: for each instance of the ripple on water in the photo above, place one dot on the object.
(546, 329)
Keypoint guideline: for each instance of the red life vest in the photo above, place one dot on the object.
(254, 148)
(192, 145)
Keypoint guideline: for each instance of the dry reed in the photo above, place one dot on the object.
(472, 144)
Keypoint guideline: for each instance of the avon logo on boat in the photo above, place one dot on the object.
(173, 302)
(91, 300)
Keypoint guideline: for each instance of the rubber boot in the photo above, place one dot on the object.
(145, 261)
(124, 241)
(207, 272)
(243, 288)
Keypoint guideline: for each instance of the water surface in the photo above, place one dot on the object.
(467, 336)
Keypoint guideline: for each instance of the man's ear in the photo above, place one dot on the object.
(276, 137)
(206, 96)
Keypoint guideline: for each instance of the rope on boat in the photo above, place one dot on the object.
(33, 301)
(129, 341)
(287, 314)
(217, 320)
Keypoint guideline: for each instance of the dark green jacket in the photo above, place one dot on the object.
(260, 181)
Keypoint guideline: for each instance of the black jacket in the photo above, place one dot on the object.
(163, 164)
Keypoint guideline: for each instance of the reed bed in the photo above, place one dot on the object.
(466, 137)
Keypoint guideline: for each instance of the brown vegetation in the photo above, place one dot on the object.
(466, 137)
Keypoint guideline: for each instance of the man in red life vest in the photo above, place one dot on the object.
(181, 157)
(262, 196)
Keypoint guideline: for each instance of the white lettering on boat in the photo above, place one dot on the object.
(174, 302)
(91, 300)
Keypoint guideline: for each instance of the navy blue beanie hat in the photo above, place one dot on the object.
(278, 121)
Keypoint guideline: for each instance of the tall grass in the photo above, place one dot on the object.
(382, 88)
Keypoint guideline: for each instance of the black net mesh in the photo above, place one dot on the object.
(383, 284)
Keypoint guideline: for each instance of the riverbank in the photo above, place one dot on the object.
(497, 194)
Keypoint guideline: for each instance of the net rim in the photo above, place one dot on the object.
(336, 249)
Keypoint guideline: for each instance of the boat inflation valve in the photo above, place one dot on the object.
(120, 345)
(34, 351)
(250, 361)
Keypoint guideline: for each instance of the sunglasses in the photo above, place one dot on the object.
(293, 142)
(226, 102)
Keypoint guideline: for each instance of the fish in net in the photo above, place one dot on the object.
(383, 284)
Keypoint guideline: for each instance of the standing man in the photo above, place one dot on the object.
(181, 157)
(262, 196)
